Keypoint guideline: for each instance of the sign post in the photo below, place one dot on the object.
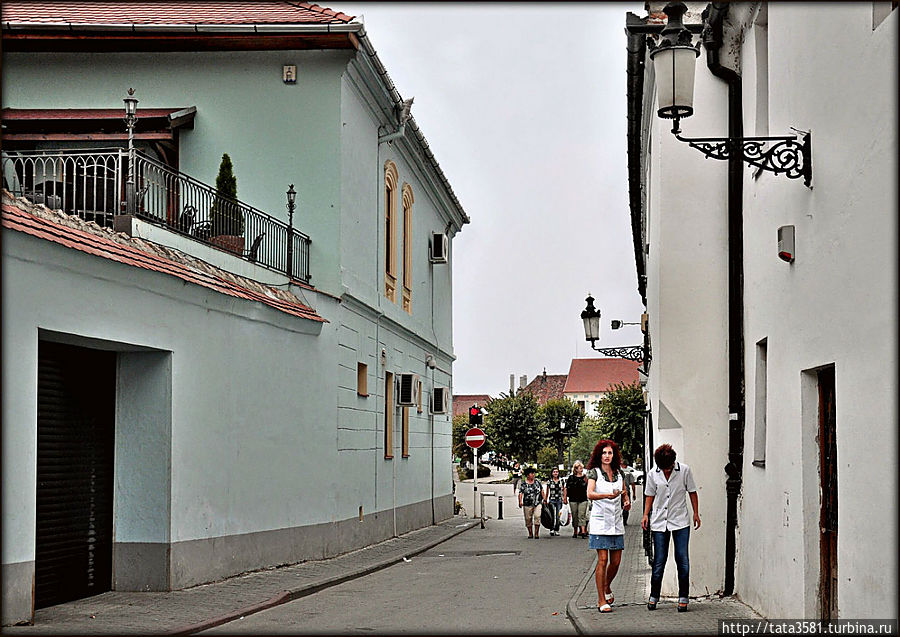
(475, 438)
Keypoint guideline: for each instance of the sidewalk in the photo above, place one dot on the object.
(202, 607)
(630, 615)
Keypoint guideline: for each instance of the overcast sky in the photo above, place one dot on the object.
(523, 106)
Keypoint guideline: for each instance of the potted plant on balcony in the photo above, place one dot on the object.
(226, 218)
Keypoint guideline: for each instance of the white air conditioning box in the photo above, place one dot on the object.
(439, 399)
(407, 389)
(440, 248)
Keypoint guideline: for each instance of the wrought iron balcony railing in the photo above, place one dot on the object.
(91, 184)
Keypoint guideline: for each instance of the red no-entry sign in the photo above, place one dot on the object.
(474, 437)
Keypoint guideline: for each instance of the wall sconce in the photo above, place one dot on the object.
(591, 318)
(674, 61)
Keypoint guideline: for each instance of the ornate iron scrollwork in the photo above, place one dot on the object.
(788, 155)
(631, 352)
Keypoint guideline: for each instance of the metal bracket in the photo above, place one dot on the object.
(791, 155)
(629, 352)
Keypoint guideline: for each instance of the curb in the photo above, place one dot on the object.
(572, 611)
(302, 591)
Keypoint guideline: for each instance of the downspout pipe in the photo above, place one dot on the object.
(714, 16)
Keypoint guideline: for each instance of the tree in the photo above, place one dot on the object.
(621, 414)
(557, 412)
(514, 426)
(589, 432)
(460, 448)
(225, 215)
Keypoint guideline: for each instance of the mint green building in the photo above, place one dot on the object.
(241, 435)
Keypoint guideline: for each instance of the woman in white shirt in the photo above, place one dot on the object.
(606, 490)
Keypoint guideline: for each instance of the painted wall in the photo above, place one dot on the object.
(831, 73)
(687, 268)
(275, 133)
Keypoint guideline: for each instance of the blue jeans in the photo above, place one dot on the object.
(661, 554)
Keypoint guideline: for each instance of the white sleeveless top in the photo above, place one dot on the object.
(606, 514)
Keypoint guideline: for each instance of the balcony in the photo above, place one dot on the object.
(93, 185)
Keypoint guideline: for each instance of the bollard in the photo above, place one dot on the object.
(499, 507)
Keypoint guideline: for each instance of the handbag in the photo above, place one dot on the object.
(546, 517)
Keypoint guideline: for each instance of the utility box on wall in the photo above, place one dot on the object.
(786, 243)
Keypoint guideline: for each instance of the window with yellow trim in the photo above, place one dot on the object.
(388, 415)
(406, 246)
(390, 220)
(404, 422)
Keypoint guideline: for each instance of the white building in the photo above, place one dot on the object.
(784, 370)
(590, 379)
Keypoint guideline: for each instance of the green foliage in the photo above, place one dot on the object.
(225, 215)
(514, 425)
(483, 472)
(554, 413)
(590, 431)
(621, 414)
(546, 458)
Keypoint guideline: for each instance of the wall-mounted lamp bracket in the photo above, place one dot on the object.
(629, 352)
(791, 154)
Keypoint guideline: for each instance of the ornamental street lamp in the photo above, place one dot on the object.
(674, 63)
(131, 118)
(591, 318)
(291, 203)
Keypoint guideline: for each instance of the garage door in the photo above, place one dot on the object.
(76, 427)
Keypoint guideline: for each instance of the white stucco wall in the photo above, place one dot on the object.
(830, 73)
(687, 269)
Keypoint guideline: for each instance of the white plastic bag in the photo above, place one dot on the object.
(565, 515)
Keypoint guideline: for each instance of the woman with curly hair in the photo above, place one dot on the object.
(606, 489)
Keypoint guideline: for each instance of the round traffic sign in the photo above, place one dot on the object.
(475, 437)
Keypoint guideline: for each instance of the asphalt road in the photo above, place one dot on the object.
(491, 580)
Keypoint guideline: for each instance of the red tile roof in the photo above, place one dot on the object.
(38, 221)
(223, 12)
(592, 375)
(546, 387)
(462, 402)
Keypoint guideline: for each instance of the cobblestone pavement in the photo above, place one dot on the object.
(630, 615)
(208, 605)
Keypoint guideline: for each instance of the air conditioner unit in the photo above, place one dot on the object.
(407, 389)
(439, 399)
(440, 248)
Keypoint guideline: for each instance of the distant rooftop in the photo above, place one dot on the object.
(593, 375)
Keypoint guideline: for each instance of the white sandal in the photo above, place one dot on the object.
(606, 608)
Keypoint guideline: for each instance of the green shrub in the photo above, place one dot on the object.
(225, 216)
(483, 472)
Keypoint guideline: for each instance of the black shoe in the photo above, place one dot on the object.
(651, 605)
(682, 607)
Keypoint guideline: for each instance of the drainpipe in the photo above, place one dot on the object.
(714, 16)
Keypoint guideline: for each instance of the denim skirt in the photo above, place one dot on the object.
(606, 542)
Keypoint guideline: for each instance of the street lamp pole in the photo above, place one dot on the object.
(131, 103)
(291, 202)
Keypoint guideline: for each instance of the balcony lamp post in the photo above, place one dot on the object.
(674, 62)
(131, 118)
(591, 318)
(291, 203)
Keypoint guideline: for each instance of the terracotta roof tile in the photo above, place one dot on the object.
(222, 12)
(546, 387)
(462, 402)
(592, 375)
(38, 221)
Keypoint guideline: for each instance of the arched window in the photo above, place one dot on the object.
(390, 215)
(407, 197)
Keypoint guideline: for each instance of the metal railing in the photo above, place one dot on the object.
(91, 184)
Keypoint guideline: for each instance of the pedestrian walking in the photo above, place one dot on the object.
(516, 474)
(576, 498)
(556, 491)
(531, 493)
(607, 531)
(666, 489)
(628, 474)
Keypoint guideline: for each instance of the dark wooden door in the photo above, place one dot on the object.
(75, 430)
(828, 516)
